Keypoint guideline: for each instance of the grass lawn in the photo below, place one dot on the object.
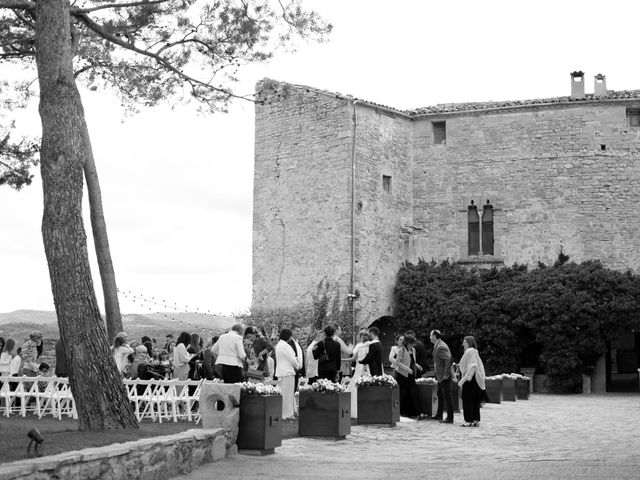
(63, 435)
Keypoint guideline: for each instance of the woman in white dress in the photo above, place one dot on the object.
(359, 352)
(286, 366)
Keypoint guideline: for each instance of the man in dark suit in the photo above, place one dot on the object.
(374, 357)
(442, 367)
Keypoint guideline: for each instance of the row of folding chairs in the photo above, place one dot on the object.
(158, 400)
(36, 395)
(165, 400)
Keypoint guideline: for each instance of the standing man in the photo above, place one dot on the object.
(297, 351)
(230, 353)
(374, 357)
(442, 366)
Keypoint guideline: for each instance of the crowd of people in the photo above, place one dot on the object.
(247, 354)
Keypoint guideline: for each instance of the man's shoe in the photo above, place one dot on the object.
(447, 420)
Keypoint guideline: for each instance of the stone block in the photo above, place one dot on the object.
(219, 406)
(219, 448)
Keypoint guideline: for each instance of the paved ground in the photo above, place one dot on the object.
(549, 436)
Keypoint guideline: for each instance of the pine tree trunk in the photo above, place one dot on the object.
(100, 396)
(101, 242)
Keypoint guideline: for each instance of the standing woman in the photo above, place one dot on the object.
(393, 354)
(181, 357)
(5, 358)
(286, 366)
(471, 381)
(121, 351)
(31, 351)
(406, 369)
(359, 352)
(327, 352)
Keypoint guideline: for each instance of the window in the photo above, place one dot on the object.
(633, 114)
(386, 183)
(439, 132)
(480, 229)
(474, 229)
(487, 229)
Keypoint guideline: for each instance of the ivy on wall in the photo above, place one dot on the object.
(555, 318)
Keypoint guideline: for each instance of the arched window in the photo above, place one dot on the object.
(487, 229)
(473, 220)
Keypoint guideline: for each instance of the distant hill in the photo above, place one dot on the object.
(18, 324)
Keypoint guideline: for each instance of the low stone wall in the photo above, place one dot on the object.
(153, 458)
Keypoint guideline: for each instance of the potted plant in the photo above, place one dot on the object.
(509, 387)
(260, 425)
(494, 388)
(324, 410)
(378, 400)
(522, 386)
(428, 395)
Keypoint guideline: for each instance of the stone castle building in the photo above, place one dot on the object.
(347, 190)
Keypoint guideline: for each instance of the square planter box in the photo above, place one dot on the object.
(260, 425)
(494, 390)
(324, 414)
(509, 390)
(428, 397)
(522, 388)
(378, 405)
(455, 396)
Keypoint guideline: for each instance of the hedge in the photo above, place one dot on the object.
(555, 318)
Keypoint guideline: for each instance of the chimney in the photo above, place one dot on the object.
(600, 85)
(577, 85)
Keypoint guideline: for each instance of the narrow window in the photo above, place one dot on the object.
(633, 114)
(487, 229)
(473, 220)
(439, 132)
(386, 183)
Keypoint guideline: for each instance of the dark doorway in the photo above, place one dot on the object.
(622, 362)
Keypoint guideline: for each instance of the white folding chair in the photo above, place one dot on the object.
(7, 395)
(43, 393)
(63, 400)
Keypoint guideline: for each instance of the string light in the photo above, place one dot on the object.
(160, 302)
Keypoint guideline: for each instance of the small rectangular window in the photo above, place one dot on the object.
(386, 183)
(633, 114)
(439, 132)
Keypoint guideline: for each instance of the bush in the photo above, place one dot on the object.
(556, 318)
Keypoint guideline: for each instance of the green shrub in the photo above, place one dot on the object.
(556, 318)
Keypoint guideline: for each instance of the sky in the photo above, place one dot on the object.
(177, 185)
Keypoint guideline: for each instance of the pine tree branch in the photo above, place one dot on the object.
(194, 82)
(117, 5)
(18, 4)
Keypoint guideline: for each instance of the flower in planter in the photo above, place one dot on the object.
(383, 380)
(494, 377)
(259, 389)
(509, 376)
(426, 381)
(323, 386)
(517, 376)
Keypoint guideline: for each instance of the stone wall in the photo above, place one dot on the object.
(559, 176)
(383, 144)
(547, 176)
(301, 197)
(154, 458)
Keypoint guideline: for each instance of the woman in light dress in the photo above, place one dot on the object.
(286, 366)
(359, 352)
(472, 382)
